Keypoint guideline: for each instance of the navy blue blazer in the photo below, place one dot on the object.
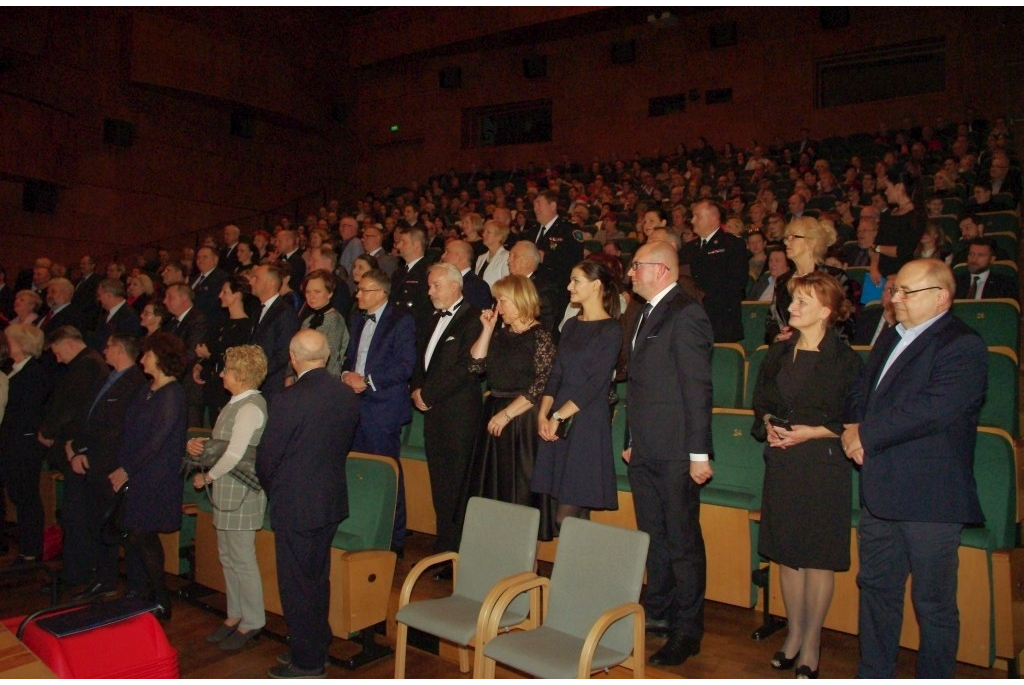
(301, 458)
(476, 291)
(918, 426)
(273, 334)
(389, 363)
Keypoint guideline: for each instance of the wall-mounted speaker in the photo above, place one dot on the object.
(39, 197)
(243, 125)
(624, 52)
(536, 66)
(118, 132)
(723, 34)
(450, 77)
(833, 18)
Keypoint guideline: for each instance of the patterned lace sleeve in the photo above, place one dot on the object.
(543, 358)
(479, 366)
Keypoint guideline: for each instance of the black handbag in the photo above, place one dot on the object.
(565, 426)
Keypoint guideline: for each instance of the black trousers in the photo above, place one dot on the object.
(303, 578)
(79, 551)
(19, 469)
(667, 504)
(449, 436)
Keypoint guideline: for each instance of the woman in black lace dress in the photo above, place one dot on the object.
(235, 330)
(516, 358)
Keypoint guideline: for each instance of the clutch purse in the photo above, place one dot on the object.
(564, 427)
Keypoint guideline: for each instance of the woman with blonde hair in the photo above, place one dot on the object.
(238, 507)
(26, 307)
(515, 354)
(807, 241)
(140, 291)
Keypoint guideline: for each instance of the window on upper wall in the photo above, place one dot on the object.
(883, 73)
(514, 123)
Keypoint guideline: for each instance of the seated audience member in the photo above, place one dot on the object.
(982, 199)
(980, 282)
(140, 291)
(758, 259)
(776, 264)
(971, 227)
(26, 308)
(933, 243)
(1003, 178)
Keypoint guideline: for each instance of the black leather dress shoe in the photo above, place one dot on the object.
(444, 572)
(162, 611)
(658, 626)
(678, 649)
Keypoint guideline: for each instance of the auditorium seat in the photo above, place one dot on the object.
(996, 320)
(754, 360)
(728, 366)
(755, 318)
(1002, 401)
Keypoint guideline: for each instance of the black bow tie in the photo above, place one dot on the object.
(371, 317)
(443, 312)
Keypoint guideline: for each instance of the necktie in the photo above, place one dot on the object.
(199, 281)
(256, 320)
(973, 292)
(371, 317)
(642, 321)
(863, 259)
(47, 318)
(703, 244)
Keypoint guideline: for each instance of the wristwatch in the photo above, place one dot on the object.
(558, 417)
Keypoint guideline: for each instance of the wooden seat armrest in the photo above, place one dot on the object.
(419, 568)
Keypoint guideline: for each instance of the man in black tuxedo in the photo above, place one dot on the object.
(84, 298)
(718, 261)
(979, 282)
(459, 254)
(72, 397)
(119, 318)
(301, 465)
(93, 452)
(524, 260)
(207, 285)
(288, 251)
(449, 396)
(378, 365)
(669, 447)
(915, 415)
(228, 257)
(275, 324)
(558, 245)
(190, 324)
(409, 284)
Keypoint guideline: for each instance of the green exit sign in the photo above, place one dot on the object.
(394, 128)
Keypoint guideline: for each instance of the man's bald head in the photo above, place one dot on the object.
(655, 267)
(308, 350)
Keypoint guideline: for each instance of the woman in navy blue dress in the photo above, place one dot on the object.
(578, 470)
(151, 453)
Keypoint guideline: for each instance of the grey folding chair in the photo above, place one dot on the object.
(591, 616)
(499, 547)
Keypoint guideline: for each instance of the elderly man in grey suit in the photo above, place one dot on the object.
(670, 444)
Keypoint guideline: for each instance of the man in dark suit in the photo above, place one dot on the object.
(459, 254)
(378, 365)
(119, 318)
(301, 465)
(670, 446)
(979, 282)
(207, 285)
(275, 324)
(557, 241)
(288, 251)
(84, 298)
(228, 257)
(915, 412)
(450, 397)
(190, 324)
(62, 312)
(372, 241)
(409, 284)
(718, 262)
(872, 322)
(93, 452)
(72, 397)
(524, 260)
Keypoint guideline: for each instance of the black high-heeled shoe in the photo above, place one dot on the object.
(806, 672)
(781, 663)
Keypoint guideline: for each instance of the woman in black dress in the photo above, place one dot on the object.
(899, 229)
(155, 429)
(516, 358)
(805, 513)
(235, 330)
(578, 470)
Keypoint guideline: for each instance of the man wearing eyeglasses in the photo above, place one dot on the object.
(915, 412)
(669, 447)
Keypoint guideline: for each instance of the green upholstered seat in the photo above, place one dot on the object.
(755, 317)
(754, 360)
(728, 366)
(1002, 402)
(997, 320)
